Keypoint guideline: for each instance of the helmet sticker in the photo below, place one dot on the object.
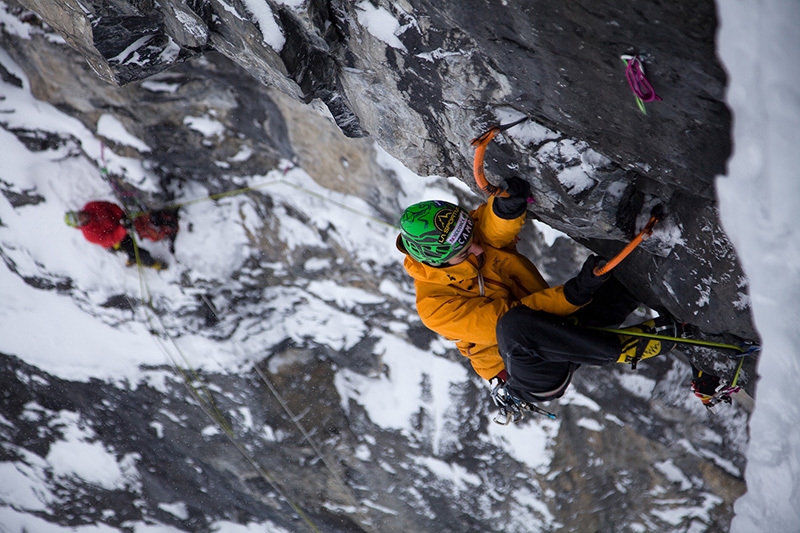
(463, 229)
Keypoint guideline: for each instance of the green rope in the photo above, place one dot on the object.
(188, 373)
(738, 371)
(220, 195)
(234, 192)
(683, 340)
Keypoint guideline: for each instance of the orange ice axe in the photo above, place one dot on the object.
(480, 143)
(631, 246)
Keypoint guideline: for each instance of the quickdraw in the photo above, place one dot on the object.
(642, 90)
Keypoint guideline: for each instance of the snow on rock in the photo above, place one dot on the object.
(249, 288)
(111, 128)
(380, 23)
(270, 30)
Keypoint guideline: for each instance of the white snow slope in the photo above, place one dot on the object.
(759, 44)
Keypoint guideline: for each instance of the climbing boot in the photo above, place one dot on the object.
(634, 349)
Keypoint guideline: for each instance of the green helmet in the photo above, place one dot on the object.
(433, 232)
(71, 219)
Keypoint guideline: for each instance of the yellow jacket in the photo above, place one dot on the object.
(463, 302)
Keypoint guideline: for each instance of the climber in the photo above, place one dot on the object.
(106, 224)
(473, 287)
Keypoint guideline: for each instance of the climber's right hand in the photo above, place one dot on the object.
(579, 290)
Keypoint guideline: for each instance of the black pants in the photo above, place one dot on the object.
(127, 246)
(540, 349)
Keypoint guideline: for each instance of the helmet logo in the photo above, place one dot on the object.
(444, 222)
(455, 225)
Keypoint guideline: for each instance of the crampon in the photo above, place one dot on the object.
(512, 409)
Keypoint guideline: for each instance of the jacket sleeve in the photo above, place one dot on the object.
(550, 300)
(496, 231)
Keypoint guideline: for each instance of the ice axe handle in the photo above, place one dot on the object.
(631, 246)
(480, 143)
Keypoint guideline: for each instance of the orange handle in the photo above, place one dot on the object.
(480, 143)
(617, 259)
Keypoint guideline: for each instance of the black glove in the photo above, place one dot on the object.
(579, 290)
(514, 205)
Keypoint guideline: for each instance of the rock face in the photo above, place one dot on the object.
(420, 80)
(423, 78)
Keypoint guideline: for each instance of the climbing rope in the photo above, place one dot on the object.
(745, 349)
(307, 436)
(142, 209)
(281, 181)
(197, 389)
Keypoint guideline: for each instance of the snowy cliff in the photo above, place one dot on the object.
(276, 375)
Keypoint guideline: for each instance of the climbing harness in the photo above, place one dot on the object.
(642, 90)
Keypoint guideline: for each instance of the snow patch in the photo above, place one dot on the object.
(78, 459)
(206, 126)
(263, 17)
(637, 384)
(110, 127)
(380, 23)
